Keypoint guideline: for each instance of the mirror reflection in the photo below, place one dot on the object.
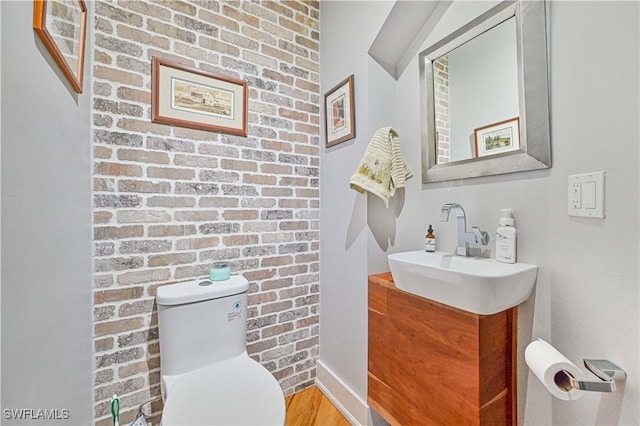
(494, 103)
(476, 96)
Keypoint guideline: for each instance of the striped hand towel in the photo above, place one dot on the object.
(382, 169)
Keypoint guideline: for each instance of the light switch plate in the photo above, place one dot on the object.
(586, 195)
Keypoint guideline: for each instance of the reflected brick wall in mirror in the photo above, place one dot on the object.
(441, 96)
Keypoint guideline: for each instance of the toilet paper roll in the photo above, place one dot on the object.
(545, 362)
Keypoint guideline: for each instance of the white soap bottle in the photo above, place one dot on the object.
(506, 237)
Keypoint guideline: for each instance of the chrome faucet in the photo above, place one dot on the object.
(464, 238)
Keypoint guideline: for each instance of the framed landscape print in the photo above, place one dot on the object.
(496, 138)
(189, 97)
(340, 115)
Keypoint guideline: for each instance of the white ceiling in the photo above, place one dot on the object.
(408, 25)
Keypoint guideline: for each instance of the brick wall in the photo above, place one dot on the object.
(170, 201)
(441, 89)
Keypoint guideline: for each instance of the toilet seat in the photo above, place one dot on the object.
(238, 391)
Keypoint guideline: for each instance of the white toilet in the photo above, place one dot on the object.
(207, 376)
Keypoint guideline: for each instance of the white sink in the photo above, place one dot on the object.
(479, 285)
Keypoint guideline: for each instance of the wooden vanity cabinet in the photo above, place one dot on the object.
(432, 364)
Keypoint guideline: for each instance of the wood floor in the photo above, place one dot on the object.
(311, 408)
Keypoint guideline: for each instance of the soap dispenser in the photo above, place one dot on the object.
(506, 237)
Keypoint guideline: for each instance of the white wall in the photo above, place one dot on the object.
(46, 229)
(594, 289)
(343, 214)
(587, 297)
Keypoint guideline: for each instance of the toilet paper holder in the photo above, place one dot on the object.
(605, 370)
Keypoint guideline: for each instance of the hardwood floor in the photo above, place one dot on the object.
(311, 408)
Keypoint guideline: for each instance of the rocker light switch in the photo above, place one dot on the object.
(586, 195)
(589, 194)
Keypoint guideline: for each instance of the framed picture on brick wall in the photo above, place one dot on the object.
(339, 113)
(62, 27)
(189, 97)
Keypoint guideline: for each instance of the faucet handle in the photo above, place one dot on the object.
(482, 237)
(444, 214)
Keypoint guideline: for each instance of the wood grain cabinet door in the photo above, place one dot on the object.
(431, 364)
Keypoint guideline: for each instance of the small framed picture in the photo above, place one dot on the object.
(496, 138)
(189, 97)
(62, 27)
(340, 115)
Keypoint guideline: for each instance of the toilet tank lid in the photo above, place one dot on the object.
(193, 291)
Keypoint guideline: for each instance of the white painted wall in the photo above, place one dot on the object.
(46, 229)
(587, 296)
(352, 27)
(585, 278)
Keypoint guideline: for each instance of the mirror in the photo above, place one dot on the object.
(476, 87)
(484, 95)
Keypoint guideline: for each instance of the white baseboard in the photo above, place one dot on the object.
(344, 398)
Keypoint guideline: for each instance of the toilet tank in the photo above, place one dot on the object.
(201, 322)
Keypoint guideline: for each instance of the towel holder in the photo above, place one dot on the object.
(603, 369)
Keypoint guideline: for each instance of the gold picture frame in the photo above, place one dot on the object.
(62, 27)
(340, 114)
(189, 97)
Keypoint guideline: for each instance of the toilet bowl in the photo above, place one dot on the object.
(207, 376)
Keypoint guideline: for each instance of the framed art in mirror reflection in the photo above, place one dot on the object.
(496, 138)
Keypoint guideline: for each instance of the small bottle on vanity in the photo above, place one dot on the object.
(430, 240)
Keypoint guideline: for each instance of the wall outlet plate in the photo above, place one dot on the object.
(586, 195)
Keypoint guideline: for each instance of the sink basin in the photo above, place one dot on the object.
(479, 285)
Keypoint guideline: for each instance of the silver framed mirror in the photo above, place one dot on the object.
(485, 96)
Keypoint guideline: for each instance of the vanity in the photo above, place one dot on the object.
(442, 338)
(430, 363)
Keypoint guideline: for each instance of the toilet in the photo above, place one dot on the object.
(207, 375)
